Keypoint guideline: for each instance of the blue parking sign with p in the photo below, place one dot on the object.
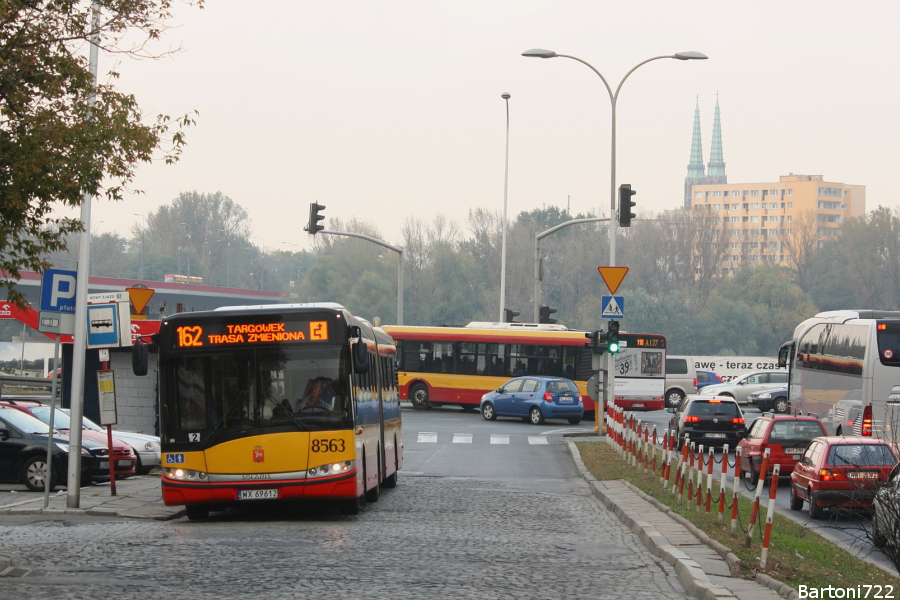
(58, 291)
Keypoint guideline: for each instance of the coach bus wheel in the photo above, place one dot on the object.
(537, 417)
(673, 398)
(780, 405)
(196, 511)
(418, 395)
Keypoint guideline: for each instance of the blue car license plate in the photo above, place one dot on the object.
(566, 399)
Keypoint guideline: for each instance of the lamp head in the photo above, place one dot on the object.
(689, 56)
(539, 53)
(505, 95)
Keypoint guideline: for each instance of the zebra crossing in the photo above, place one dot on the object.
(431, 437)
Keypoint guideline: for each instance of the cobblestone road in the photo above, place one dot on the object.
(431, 537)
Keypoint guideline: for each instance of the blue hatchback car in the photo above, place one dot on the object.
(535, 399)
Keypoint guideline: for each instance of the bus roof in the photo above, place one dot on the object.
(846, 315)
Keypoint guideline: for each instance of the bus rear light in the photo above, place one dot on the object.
(867, 421)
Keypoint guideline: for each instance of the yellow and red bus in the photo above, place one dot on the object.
(458, 365)
(238, 422)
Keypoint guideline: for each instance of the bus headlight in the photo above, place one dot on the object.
(184, 474)
(331, 469)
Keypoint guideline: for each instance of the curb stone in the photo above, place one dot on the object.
(691, 576)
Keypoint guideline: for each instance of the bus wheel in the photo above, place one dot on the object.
(391, 480)
(373, 494)
(353, 506)
(418, 395)
(196, 511)
(780, 405)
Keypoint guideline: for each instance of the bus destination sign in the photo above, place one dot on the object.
(223, 333)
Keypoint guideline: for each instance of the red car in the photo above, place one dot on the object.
(125, 456)
(840, 472)
(786, 438)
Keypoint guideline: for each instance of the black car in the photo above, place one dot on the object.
(775, 399)
(708, 420)
(23, 452)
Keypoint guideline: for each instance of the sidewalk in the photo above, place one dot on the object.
(704, 566)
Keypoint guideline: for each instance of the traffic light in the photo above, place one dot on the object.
(596, 341)
(612, 337)
(509, 316)
(545, 313)
(626, 204)
(313, 226)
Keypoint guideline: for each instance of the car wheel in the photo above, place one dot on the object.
(754, 476)
(34, 472)
(487, 411)
(138, 467)
(673, 398)
(536, 416)
(780, 405)
(815, 511)
(796, 501)
(879, 539)
(574, 420)
(418, 395)
(197, 511)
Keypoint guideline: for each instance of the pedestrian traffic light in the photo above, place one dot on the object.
(545, 313)
(313, 226)
(509, 316)
(626, 204)
(612, 337)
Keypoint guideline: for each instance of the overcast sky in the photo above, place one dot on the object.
(381, 110)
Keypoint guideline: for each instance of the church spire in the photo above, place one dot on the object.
(716, 167)
(695, 172)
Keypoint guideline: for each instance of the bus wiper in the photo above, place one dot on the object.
(218, 427)
(286, 411)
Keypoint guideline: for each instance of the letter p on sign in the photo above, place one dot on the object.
(58, 291)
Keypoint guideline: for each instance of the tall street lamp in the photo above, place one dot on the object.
(610, 382)
(292, 260)
(505, 97)
(143, 227)
(613, 97)
(262, 266)
(190, 248)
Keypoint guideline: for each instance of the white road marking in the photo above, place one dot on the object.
(499, 439)
(427, 437)
(462, 438)
(536, 440)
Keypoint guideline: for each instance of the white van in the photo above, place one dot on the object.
(681, 379)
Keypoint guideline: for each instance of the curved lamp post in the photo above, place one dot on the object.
(506, 97)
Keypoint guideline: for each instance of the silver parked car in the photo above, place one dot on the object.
(145, 446)
(741, 387)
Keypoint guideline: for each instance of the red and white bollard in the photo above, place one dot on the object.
(759, 486)
(709, 474)
(734, 495)
(722, 484)
(699, 499)
(773, 490)
(681, 473)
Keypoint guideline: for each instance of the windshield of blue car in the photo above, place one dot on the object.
(23, 421)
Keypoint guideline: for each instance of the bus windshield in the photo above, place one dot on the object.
(225, 393)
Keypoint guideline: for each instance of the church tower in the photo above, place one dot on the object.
(695, 170)
(715, 172)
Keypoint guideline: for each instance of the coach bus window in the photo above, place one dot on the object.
(889, 344)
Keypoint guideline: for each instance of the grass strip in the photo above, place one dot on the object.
(797, 555)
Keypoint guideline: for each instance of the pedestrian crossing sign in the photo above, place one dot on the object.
(613, 307)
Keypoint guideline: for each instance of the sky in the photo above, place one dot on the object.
(387, 110)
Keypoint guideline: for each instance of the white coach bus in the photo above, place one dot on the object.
(845, 369)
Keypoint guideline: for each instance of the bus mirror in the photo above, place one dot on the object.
(784, 354)
(360, 356)
(139, 358)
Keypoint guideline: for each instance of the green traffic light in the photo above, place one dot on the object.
(613, 348)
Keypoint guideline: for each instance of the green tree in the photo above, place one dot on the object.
(62, 136)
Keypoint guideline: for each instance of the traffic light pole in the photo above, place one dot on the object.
(397, 249)
(538, 274)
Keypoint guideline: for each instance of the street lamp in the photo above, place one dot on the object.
(292, 260)
(190, 248)
(505, 97)
(613, 97)
(610, 384)
(262, 266)
(143, 227)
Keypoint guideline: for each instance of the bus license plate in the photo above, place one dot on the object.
(638, 405)
(258, 494)
(716, 435)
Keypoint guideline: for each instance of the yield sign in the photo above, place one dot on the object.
(613, 277)
(139, 297)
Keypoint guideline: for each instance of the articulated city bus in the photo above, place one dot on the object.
(845, 369)
(458, 365)
(276, 402)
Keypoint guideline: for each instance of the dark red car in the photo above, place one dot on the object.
(785, 437)
(840, 472)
